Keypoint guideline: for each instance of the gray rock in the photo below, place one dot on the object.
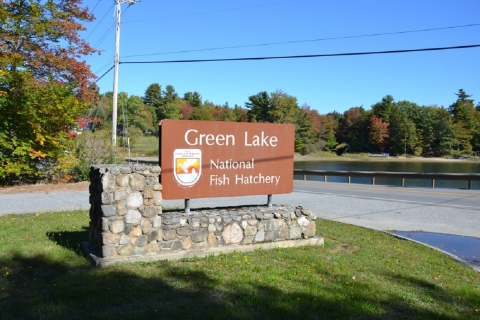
(120, 194)
(251, 231)
(137, 182)
(125, 170)
(184, 231)
(260, 236)
(132, 216)
(283, 232)
(109, 210)
(104, 224)
(303, 221)
(152, 180)
(125, 250)
(152, 247)
(295, 232)
(134, 200)
(157, 198)
(248, 240)
(155, 169)
(124, 239)
(177, 245)
(109, 238)
(271, 225)
(198, 237)
(138, 250)
(269, 236)
(150, 212)
(171, 221)
(108, 251)
(106, 197)
(169, 235)
(152, 236)
(157, 222)
(117, 226)
(140, 241)
(268, 216)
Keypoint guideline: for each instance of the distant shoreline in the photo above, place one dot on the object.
(299, 157)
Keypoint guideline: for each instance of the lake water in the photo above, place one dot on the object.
(394, 166)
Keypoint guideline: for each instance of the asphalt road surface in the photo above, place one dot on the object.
(450, 211)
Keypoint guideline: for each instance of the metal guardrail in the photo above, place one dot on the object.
(433, 177)
(470, 177)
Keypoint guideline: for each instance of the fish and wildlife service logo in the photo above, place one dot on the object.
(187, 166)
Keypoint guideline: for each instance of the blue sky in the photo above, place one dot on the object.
(159, 30)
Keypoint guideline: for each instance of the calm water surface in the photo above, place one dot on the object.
(395, 166)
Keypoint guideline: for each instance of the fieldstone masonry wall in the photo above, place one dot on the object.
(126, 218)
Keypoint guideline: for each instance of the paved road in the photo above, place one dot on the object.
(448, 211)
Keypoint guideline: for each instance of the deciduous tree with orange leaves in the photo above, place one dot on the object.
(44, 83)
(378, 132)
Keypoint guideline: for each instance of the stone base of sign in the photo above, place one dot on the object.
(182, 254)
(127, 222)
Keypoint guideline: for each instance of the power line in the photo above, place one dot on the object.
(91, 32)
(110, 62)
(96, 6)
(112, 26)
(303, 41)
(103, 74)
(305, 56)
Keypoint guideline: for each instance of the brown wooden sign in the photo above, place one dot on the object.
(204, 159)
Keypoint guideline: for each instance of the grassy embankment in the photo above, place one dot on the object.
(359, 273)
(144, 146)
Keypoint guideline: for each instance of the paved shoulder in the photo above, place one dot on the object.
(42, 202)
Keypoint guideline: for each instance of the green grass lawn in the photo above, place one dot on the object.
(146, 146)
(357, 274)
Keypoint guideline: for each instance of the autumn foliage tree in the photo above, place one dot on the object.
(378, 132)
(44, 86)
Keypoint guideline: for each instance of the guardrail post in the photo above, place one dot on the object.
(403, 182)
(373, 181)
(433, 183)
(349, 179)
(325, 178)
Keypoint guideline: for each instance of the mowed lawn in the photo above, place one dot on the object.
(145, 146)
(357, 274)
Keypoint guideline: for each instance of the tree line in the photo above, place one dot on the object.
(397, 128)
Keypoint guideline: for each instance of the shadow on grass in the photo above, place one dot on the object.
(39, 287)
(70, 240)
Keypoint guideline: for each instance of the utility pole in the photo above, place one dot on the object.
(116, 62)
